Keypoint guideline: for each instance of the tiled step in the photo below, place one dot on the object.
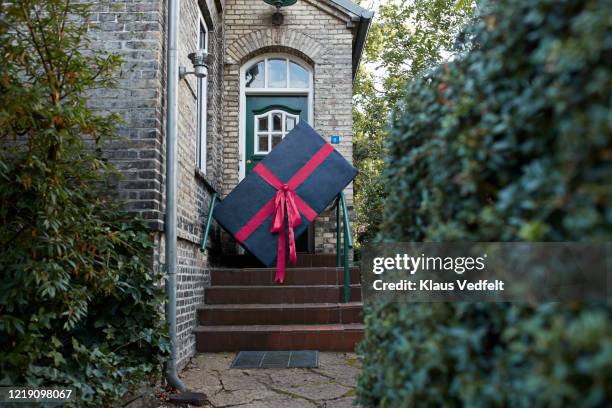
(303, 261)
(316, 260)
(284, 313)
(293, 276)
(221, 294)
(326, 337)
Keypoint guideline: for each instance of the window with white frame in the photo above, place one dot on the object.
(271, 127)
(202, 93)
(277, 72)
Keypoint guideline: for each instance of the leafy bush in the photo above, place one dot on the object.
(511, 142)
(79, 304)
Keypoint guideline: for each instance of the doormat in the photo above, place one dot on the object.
(276, 359)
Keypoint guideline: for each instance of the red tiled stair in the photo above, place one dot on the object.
(294, 276)
(280, 313)
(245, 310)
(279, 294)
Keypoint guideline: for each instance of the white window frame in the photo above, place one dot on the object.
(202, 103)
(283, 132)
(244, 91)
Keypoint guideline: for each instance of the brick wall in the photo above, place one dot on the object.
(136, 30)
(194, 186)
(317, 34)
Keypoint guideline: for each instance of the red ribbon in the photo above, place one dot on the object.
(285, 201)
(285, 198)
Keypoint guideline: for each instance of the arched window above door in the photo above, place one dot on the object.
(277, 73)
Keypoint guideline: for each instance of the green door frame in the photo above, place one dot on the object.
(246, 93)
(261, 104)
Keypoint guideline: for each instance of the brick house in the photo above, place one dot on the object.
(262, 78)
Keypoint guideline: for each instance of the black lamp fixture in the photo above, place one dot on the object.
(278, 18)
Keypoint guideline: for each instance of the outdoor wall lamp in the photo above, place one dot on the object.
(199, 59)
(278, 18)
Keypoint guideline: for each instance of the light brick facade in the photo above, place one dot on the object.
(319, 36)
(319, 32)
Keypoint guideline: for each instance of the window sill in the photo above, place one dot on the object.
(199, 174)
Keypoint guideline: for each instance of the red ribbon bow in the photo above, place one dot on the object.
(286, 200)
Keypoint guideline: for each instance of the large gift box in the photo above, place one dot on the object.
(284, 193)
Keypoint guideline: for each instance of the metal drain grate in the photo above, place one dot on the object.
(276, 359)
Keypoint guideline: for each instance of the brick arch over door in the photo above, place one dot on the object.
(277, 39)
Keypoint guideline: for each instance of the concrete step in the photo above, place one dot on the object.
(231, 294)
(324, 337)
(278, 314)
(293, 276)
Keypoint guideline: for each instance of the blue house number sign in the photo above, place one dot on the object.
(334, 139)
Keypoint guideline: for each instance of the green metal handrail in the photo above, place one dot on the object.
(347, 239)
(211, 208)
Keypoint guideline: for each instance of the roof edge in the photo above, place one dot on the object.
(361, 18)
(353, 8)
(365, 21)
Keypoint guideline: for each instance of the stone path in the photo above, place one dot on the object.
(332, 385)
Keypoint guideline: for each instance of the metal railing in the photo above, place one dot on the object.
(344, 238)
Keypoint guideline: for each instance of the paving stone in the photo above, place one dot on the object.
(240, 397)
(320, 391)
(296, 378)
(340, 403)
(343, 367)
(233, 381)
(281, 402)
(200, 378)
(331, 385)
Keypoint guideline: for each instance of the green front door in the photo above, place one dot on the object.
(268, 120)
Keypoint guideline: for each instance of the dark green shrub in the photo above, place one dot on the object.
(513, 141)
(79, 304)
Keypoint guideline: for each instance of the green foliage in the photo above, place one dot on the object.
(411, 37)
(486, 355)
(79, 305)
(369, 126)
(406, 39)
(511, 142)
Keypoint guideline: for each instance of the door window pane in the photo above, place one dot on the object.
(254, 76)
(262, 143)
(290, 123)
(277, 120)
(276, 138)
(277, 73)
(299, 76)
(262, 123)
(269, 129)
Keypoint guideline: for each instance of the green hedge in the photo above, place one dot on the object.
(79, 303)
(511, 142)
